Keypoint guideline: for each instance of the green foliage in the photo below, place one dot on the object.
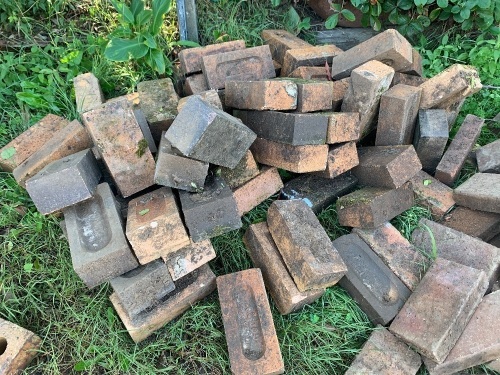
(19, 14)
(294, 22)
(137, 37)
(338, 10)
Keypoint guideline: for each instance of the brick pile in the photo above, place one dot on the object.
(368, 134)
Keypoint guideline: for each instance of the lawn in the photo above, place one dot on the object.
(39, 290)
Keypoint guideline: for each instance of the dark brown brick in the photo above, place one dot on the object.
(248, 324)
(195, 84)
(280, 41)
(407, 79)
(304, 245)
(480, 224)
(453, 159)
(386, 166)
(191, 58)
(266, 256)
(437, 312)
(251, 64)
(372, 207)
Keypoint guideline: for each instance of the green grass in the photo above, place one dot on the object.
(39, 290)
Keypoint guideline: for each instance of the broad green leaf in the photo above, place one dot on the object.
(293, 18)
(458, 18)
(405, 4)
(336, 7)
(376, 10)
(425, 21)
(144, 212)
(28, 267)
(393, 17)
(149, 40)
(357, 3)
(420, 3)
(276, 3)
(484, 4)
(465, 13)
(185, 43)
(143, 17)
(332, 21)
(348, 15)
(137, 6)
(434, 14)
(125, 49)
(159, 60)
(124, 11)
(427, 182)
(444, 40)
(8, 153)
(32, 99)
(455, 9)
(160, 7)
(442, 3)
(375, 23)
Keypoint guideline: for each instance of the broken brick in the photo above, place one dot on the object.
(250, 64)
(488, 157)
(342, 157)
(342, 127)
(189, 258)
(304, 245)
(154, 226)
(88, 93)
(371, 207)
(416, 68)
(437, 312)
(248, 324)
(195, 84)
(298, 159)
(431, 193)
(308, 56)
(261, 95)
(339, 90)
(266, 256)
(210, 96)
(280, 41)
(246, 169)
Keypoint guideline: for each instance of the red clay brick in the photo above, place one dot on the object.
(407, 79)
(309, 56)
(69, 140)
(191, 58)
(313, 95)
(437, 312)
(342, 127)
(251, 338)
(307, 251)
(339, 91)
(280, 41)
(262, 95)
(298, 159)
(416, 67)
(209, 96)
(27, 143)
(88, 93)
(432, 194)
(19, 347)
(189, 258)
(195, 84)
(480, 192)
(453, 159)
(249, 64)
(341, 158)
(480, 224)
(318, 73)
(257, 190)
(266, 256)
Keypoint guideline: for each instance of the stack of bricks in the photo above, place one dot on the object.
(368, 137)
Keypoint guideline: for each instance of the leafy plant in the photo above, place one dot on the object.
(295, 23)
(338, 10)
(138, 36)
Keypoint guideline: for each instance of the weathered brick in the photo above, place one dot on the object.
(195, 84)
(27, 143)
(188, 290)
(480, 192)
(280, 41)
(488, 157)
(342, 127)
(313, 96)
(431, 136)
(396, 252)
(397, 115)
(478, 344)
(386, 166)
(154, 226)
(64, 182)
(407, 79)
(318, 192)
(211, 212)
(452, 112)
(210, 96)
(88, 93)
(158, 101)
(453, 159)
(304, 245)
(388, 47)
(384, 353)
(143, 287)
(431, 193)
(437, 312)
(71, 139)
(456, 82)
(176, 171)
(308, 56)
(298, 159)
(266, 256)
(416, 68)
(342, 157)
(318, 73)
(376, 289)
(246, 169)
(262, 95)
(368, 82)
(250, 335)
(18, 347)
(117, 135)
(251, 64)
(339, 90)
(99, 249)
(198, 129)
(447, 243)
(371, 207)
(257, 190)
(494, 365)
(191, 58)
(480, 224)
(146, 131)
(291, 128)
(189, 258)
